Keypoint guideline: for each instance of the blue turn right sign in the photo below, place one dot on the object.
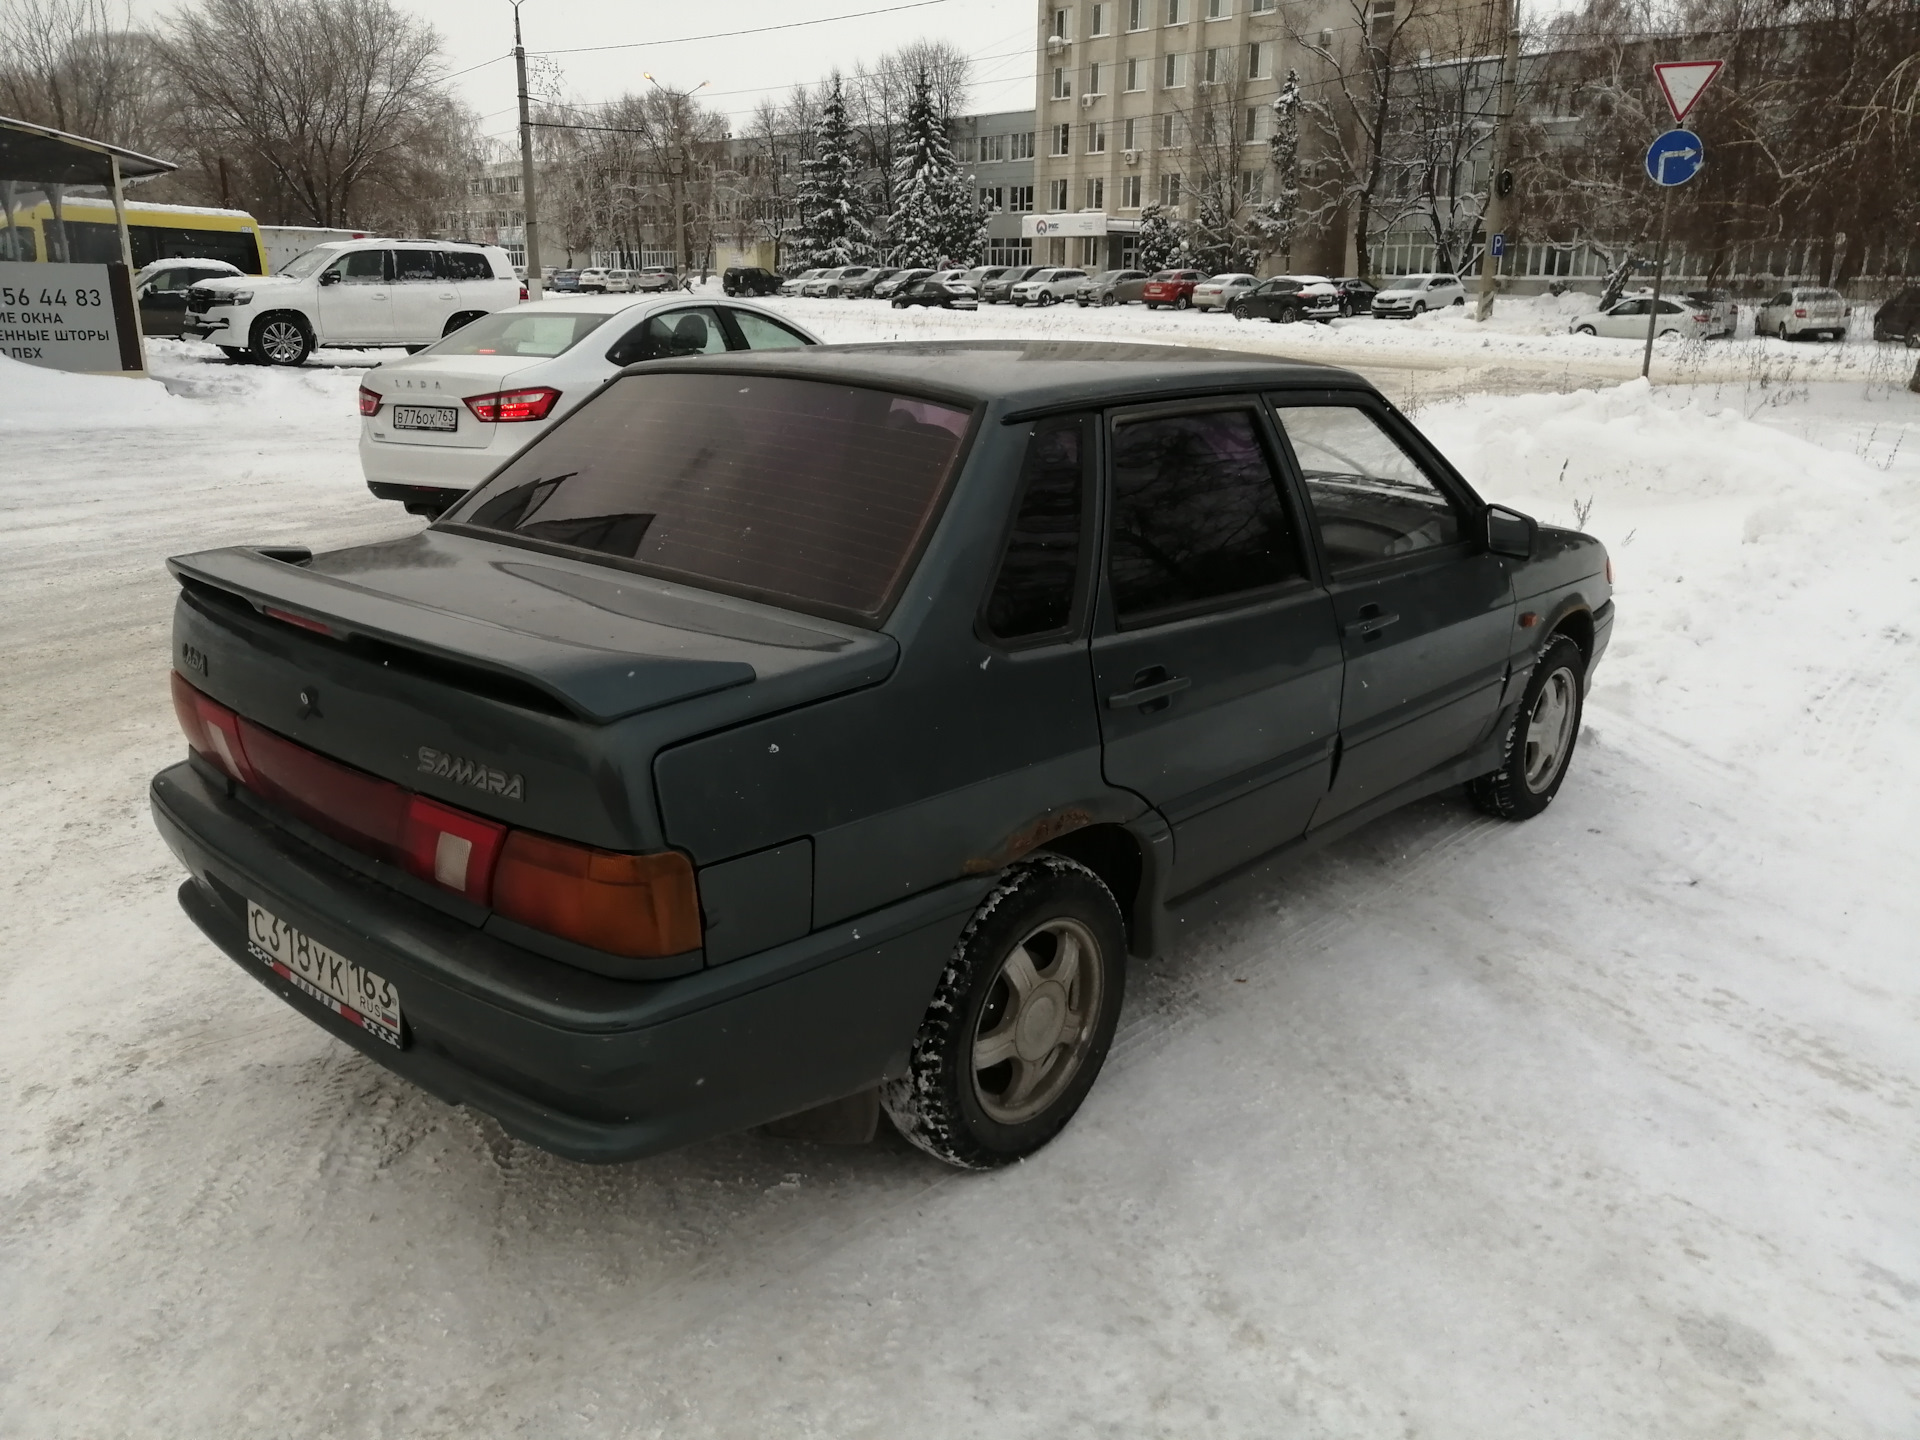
(1675, 158)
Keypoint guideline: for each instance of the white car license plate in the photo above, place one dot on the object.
(425, 417)
(351, 991)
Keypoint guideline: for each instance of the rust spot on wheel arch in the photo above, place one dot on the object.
(1029, 837)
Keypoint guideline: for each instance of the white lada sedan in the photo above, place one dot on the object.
(436, 424)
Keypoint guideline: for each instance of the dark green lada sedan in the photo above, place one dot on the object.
(814, 733)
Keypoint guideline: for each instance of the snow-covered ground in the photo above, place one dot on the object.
(1601, 1125)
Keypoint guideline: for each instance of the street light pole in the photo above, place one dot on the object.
(530, 223)
(1495, 222)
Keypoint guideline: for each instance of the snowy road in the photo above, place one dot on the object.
(1603, 1125)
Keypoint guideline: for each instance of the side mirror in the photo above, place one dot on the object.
(1510, 533)
(329, 277)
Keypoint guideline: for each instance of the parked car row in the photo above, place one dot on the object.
(1791, 314)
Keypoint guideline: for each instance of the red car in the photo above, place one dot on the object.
(1171, 287)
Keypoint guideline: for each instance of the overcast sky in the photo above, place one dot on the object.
(738, 69)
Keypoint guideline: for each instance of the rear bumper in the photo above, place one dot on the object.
(591, 1068)
(445, 467)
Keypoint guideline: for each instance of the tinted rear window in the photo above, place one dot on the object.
(804, 493)
(519, 332)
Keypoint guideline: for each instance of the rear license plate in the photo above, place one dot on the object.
(351, 991)
(425, 417)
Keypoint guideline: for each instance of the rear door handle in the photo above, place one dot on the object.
(1147, 694)
(1368, 626)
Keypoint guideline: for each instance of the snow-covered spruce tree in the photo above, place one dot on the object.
(937, 222)
(1278, 220)
(833, 224)
(1163, 239)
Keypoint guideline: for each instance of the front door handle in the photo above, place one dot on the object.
(1147, 694)
(1367, 627)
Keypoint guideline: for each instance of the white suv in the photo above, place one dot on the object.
(1049, 287)
(353, 292)
(1410, 295)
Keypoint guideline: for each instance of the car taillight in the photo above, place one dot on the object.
(305, 622)
(369, 401)
(212, 730)
(509, 405)
(523, 291)
(1703, 318)
(1799, 314)
(635, 905)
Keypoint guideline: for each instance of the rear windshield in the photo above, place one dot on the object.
(804, 493)
(514, 332)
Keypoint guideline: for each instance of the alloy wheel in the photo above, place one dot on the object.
(283, 342)
(1550, 729)
(1038, 1023)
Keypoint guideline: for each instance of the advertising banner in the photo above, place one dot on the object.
(69, 317)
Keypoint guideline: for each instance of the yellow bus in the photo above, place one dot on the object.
(157, 232)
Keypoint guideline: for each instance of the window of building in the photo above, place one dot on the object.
(1129, 192)
(1134, 74)
(1099, 18)
(1219, 9)
(1062, 139)
(1259, 57)
(1254, 112)
(1129, 134)
(1096, 193)
(1215, 67)
(1062, 85)
(993, 197)
(1171, 132)
(1056, 195)
(1197, 514)
(1093, 80)
(993, 148)
(1020, 146)
(1176, 12)
(1034, 591)
(1260, 7)
(1097, 138)
(1174, 72)
(963, 150)
(1020, 199)
(1253, 185)
(1383, 13)
(1136, 14)
(1170, 190)
(1062, 22)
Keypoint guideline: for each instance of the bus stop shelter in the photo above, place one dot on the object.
(55, 313)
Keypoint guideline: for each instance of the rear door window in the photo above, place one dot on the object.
(760, 333)
(805, 493)
(415, 265)
(1034, 589)
(464, 265)
(1197, 513)
(677, 332)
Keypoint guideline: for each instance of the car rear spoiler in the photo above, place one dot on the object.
(593, 684)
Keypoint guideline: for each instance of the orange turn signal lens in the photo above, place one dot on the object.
(634, 905)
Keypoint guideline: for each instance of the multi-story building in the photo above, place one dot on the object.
(997, 150)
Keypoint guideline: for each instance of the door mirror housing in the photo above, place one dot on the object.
(1510, 533)
(329, 277)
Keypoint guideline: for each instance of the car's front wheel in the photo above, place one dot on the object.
(1047, 297)
(1185, 302)
(1020, 1021)
(1419, 307)
(281, 340)
(1241, 312)
(1584, 330)
(1541, 740)
(1288, 315)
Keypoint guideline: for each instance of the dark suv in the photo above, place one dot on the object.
(817, 731)
(749, 280)
(1899, 318)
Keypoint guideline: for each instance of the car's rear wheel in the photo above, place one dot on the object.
(281, 340)
(1783, 331)
(1020, 1021)
(1183, 303)
(1541, 739)
(465, 317)
(1288, 315)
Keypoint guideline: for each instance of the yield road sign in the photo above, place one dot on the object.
(1682, 82)
(1675, 158)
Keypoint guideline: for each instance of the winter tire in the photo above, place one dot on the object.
(899, 304)
(1183, 303)
(1784, 336)
(281, 340)
(1419, 307)
(1152, 306)
(1288, 316)
(833, 292)
(1047, 297)
(1460, 300)
(1240, 312)
(1346, 310)
(1106, 300)
(1584, 330)
(1541, 739)
(1020, 1022)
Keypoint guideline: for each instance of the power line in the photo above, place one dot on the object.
(732, 34)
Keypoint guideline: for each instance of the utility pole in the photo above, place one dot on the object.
(1498, 183)
(530, 223)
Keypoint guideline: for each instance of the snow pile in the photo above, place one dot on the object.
(35, 398)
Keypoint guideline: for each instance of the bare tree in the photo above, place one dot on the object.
(80, 66)
(321, 97)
